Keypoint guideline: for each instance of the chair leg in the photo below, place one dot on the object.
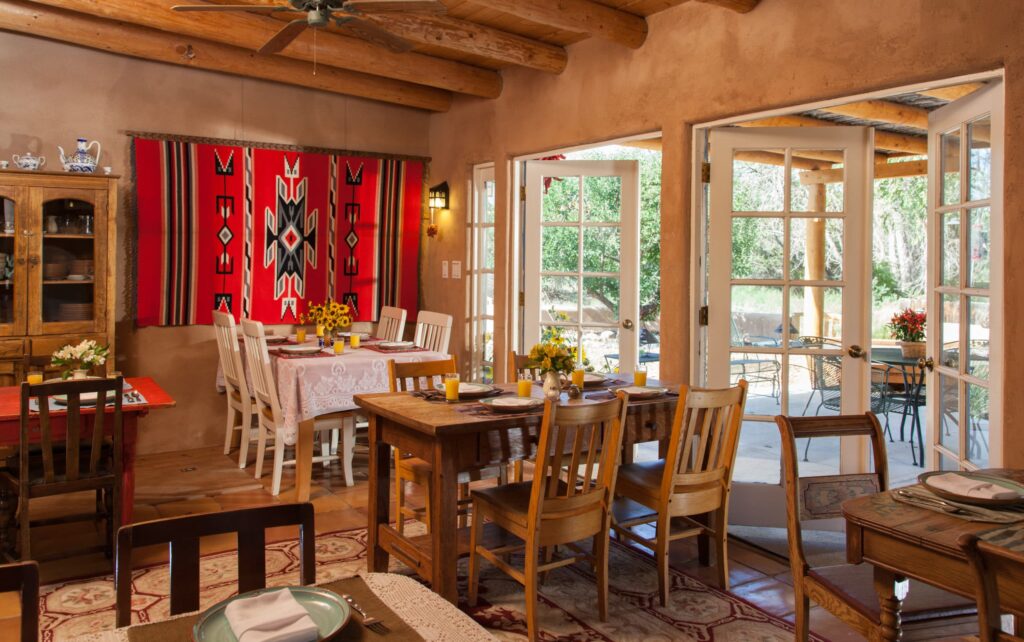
(279, 447)
(428, 491)
(347, 446)
(233, 416)
(517, 471)
(244, 438)
(6, 523)
(801, 620)
(661, 556)
(25, 546)
(721, 548)
(399, 502)
(463, 493)
(474, 559)
(261, 450)
(530, 586)
(325, 447)
(601, 573)
(807, 447)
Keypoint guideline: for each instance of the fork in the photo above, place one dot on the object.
(369, 621)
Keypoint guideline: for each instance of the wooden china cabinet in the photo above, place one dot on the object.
(57, 266)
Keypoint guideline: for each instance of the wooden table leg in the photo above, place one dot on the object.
(444, 521)
(380, 496)
(304, 460)
(891, 590)
(129, 438)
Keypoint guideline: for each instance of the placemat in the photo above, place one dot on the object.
(480, 410)
(438, 396)
(1009, 537)
(311, 355)
(180, 629)
(923, 498)
(385, 351)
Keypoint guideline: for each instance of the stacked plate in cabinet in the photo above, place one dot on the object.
(75, 312)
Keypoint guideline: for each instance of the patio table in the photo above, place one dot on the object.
(913, 381)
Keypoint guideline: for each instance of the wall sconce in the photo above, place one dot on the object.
(437, 199)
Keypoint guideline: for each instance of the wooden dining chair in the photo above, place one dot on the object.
(847, 590)
(391, 325)
(84, 458)
(990, 562)
(240, 403)
(433, 331)
(23, 578)
(271, 422)
(692, 481)
(520, 367)
(568, 500)
(417, 376)
(182, 535)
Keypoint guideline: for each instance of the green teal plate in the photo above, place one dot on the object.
(328, 610)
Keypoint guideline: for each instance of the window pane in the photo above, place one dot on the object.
(602, 198)
(486, 258)
(978, 231)
(756, 315)
(559, 299)
(950, 243)
(949, 331)
(488, 213)
(758, 186)
(979, 133)
(561, 199)
(825, 238)
(600, 299)
(763, 372)
(487, 294)
(815, 382)
(978, 336)
(601, 350)
(949, 406)
(815, 313)
(566, 335)
(977, 427)
(759, 457)
(825, 194)
(560, 249)
(950, 163)
(601, 249)
(757, 248)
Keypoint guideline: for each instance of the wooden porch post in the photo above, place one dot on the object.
(814, 265)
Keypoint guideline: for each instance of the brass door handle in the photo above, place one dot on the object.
(628, 324)
(928, 363)
(857, 352)
(33, 260)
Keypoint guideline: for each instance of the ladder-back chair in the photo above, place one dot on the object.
(568, 500)
(992, 563)
(694, 479)
(391, 326)
(520, 367)
(433, 331)
(240, 402)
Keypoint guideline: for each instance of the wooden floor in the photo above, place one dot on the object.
(197, 481)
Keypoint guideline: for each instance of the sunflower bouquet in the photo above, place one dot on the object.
(330, 315)
(553, 357)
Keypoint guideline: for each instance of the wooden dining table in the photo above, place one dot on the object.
(903, 541)
(155, 398)
(455, 437)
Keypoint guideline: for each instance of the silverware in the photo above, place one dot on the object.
(369, 621)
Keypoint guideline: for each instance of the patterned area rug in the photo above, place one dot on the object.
(568, 608)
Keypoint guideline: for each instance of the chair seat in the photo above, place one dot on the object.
(855, 582)
(421, 472)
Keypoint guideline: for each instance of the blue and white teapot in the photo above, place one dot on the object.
(29, 162)
(81, 161)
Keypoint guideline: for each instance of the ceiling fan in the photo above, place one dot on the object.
(320, 13)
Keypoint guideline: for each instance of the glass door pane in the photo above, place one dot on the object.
(13, 208)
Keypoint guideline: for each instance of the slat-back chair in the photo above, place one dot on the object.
(520, 367)
(990, 562)
(240, 402)
(391, 326)
(847, 590)
(694, 480)
(561, 505)
(23, 578)
(48, 466)
(433, 331)
(182, 535)
(271, 422)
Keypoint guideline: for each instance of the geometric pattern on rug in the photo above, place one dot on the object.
(568, 598)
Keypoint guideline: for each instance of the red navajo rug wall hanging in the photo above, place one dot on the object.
(263, 232)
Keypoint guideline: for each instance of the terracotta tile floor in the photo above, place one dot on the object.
(195, 481)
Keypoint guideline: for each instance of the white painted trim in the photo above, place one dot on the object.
(584, 146)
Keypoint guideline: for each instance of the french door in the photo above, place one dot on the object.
(788, 294)
(964, 332)
(581, 276)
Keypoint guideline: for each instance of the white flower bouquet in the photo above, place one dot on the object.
(83, 356)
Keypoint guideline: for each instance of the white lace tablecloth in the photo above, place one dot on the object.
(431, 616)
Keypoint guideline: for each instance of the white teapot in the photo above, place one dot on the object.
(28, 161)
(81, 161)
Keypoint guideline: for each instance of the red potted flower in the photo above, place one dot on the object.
(908, 328)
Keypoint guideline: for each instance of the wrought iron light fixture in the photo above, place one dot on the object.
(437, 199)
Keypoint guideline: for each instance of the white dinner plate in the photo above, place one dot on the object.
(275, 338)
(396, 345)
(301, 349)
(512, 404)
(469, 390)
(643, 392)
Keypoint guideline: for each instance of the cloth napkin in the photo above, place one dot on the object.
(960, 485)
(274, 616)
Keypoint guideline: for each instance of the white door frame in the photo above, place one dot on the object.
(629, 277)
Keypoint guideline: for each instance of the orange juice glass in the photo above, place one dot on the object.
(339, 346)
(639, 377)
(451, 386)
(578, 377)
(525, 387)
(354, 340)
(319, 331)
(34, 378)
(300, 335)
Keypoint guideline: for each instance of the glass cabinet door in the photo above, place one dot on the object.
(67, 262)
(14, 211)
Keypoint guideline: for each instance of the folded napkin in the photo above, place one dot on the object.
(960, 485)
(274, 616)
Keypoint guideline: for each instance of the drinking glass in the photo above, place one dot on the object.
(451, 386)
(300, 335)
(354, 340)
(640, 375)
(578, 377)
(339, 346)
(35, 377)
(525, 387)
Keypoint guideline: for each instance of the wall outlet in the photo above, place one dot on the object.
(456, 269)
(444, 269)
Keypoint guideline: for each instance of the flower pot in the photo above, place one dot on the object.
(913, 349)
(79, 374)
(552, 385)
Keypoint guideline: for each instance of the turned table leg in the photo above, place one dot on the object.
(891, 589)
(380, 496)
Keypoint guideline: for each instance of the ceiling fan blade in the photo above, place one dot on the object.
(285, 36)
(370, 32)
(403, 6)
(228, 7)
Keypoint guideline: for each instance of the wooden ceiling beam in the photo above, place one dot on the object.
(150, 44)
(739, 6)
(577, 16)
(953, 93)
(884, 111)
(250, 31)
(883, 140)
(882, 170)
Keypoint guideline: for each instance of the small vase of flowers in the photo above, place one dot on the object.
(329, 317)
(908, 328)
(76, 360)
(554, 361)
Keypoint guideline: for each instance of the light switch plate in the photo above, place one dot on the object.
(444, 269)
(456, 269)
